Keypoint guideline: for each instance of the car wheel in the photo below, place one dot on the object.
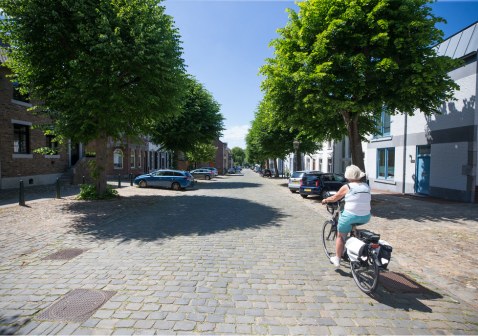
(303, 196)
(293, 191)
(175, 186)
(207, 177)
(142, 184)
(324, 194)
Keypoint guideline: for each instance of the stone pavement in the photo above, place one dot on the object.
(238, 255)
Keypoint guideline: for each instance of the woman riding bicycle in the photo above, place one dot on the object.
(356, 210)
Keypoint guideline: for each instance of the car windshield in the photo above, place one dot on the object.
(297, 174)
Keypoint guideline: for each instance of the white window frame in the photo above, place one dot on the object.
(118, 158)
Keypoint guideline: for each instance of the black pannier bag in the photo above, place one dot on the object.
(384, 254)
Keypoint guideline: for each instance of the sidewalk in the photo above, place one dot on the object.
(9, 197)
(434, 239)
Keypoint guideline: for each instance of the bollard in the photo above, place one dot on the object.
(58, 188)
(119, 180)
(21, 200)
(131, 179)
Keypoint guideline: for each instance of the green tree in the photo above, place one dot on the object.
(105, 68)
(238, 155)
(199, 123)
(275, 138)
(338, 64)
(202, 153)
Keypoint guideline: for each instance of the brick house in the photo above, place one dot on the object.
(19, 139)
(125, 157)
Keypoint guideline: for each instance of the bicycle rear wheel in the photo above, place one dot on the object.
(329, 234)
(365, 273)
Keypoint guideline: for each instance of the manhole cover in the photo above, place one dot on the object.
(65, 254)
(400, 283)
(77, 305)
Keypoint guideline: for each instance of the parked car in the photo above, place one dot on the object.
(295, 179)
(266, 173)
(317, 183)
(214, 170)
(231, 171)
(166, 178)
(204, 174)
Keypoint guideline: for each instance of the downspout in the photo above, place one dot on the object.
(404, 153)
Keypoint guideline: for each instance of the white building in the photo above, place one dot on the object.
(436, 155)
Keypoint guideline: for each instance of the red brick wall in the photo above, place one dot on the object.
(125, 146)
(16, 167)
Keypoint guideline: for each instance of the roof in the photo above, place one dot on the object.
(462, 44)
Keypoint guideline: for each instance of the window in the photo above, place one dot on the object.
(320, 164)
(17, 95)
(21, 139)
(383, 128)
(52, 144)
(139, 158)
(132, 159)
(386, 163)
(118, 159)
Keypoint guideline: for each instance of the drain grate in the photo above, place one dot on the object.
(77, 305)
(400, 283)
(65, 254)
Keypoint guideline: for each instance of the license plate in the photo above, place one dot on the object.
(308, 190)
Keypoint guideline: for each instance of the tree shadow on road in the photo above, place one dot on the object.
(420, 210)
(407, 207)
(153, 218)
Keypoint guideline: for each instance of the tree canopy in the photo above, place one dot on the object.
(238, 155)
(200, 121)
(202, 153)
(98, 68)
(339, 64)
(270, 139)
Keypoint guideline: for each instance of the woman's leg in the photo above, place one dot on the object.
(339, 244)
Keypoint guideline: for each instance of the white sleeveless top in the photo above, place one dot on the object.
(357, 200)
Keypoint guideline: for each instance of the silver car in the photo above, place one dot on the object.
(296, 178)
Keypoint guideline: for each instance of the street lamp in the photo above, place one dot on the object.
(296, 144)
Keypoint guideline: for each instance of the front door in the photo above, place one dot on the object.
(422, 179)
(75, 153)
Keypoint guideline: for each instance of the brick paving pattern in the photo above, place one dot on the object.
(238, 255)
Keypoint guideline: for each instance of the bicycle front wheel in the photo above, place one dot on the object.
(365, 273)
(329, 234)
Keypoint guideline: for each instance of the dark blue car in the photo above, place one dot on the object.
(166, 178)
(317, 183)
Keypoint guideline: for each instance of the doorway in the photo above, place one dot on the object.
(422, 170)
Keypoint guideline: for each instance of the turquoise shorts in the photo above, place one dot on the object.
(346, 220)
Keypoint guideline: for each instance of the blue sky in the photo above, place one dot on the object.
(226, 42)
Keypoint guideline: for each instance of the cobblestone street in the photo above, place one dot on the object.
(237, 255)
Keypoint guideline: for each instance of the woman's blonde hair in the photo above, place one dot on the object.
(353, 173)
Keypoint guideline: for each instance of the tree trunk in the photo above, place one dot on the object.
(175, 158)
(298, 160)
(101, 164)
(276, 168)
(351, 121)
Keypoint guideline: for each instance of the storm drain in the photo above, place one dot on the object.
(400, 283)
(65, 254)
(77, 305)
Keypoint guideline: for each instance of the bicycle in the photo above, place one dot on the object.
(365, 251)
